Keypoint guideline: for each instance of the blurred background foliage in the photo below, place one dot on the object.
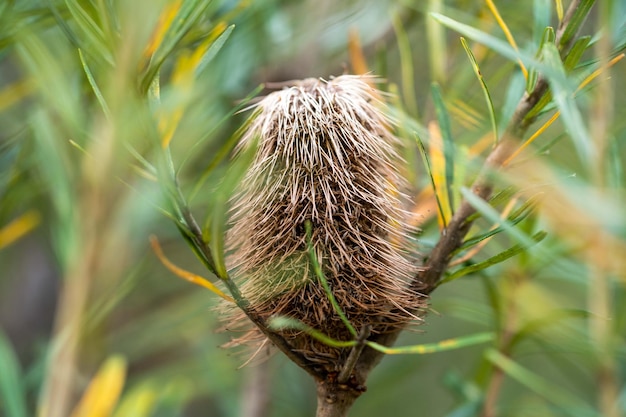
(93, 324)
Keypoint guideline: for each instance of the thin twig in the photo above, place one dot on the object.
(354, 355)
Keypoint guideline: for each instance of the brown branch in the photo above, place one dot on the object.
(354, 355)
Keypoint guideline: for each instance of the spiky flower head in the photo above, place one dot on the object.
(325, 154)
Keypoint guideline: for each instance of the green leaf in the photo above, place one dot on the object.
(501, 257)
(317, 269)
(494, 43)
(514, 218)
(568, 402)
(541, 104)
(442, 346)
(448, 143)
(548, 36)
(563, 93)
(542, 16)
(96, 39)
(493, 216)
(406, 66)
(514, 92)
(531, 328)
(186, 17)
(215, 47)
(483, 85)
(429, 170)
(11, 385)
(282, 322)
(216, 221)
(576, 21)
(577, 51)
(94, 85)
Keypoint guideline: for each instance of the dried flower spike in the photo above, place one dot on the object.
(326, 155)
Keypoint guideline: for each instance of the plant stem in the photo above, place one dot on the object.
(334, 400)
(354, 355)
(494, 386)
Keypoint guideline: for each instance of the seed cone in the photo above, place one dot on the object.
(324, 154)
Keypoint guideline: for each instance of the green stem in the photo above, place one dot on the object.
(320, 275)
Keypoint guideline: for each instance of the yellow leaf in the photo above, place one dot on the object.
(532, 138)
(599, 71)
(186, 275)
(507, 33)
(165, 22)
(357, 58)
(168, 126)
(139, 403)
(18, 228)
(438, 166)
(559, 10)
(103, 392)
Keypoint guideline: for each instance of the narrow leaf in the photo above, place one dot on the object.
(580, 14)
(90, 32)
(577, 51)
(483, 85)
(444, 132)
(532, 328)
(507, 33)
(18, 228)
(501, 257)
(406, 66)
(429, 170)
(532, 138)
(215, 46)
(562, 93)
(12, 394)
(442, 346)
(94, 85)
(551, 392)
(513, 220)
(140, 402)
(317, 269)
(559, 9)
(282, 322)
(104, 390)
(185, 17)
(186, 275)
(493, 216)
(492, 42)
(548, 36)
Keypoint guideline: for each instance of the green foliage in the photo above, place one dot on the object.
(120, 119)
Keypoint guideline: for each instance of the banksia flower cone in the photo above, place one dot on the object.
(325, 154)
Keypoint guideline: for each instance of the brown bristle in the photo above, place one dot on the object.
(326, 155)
